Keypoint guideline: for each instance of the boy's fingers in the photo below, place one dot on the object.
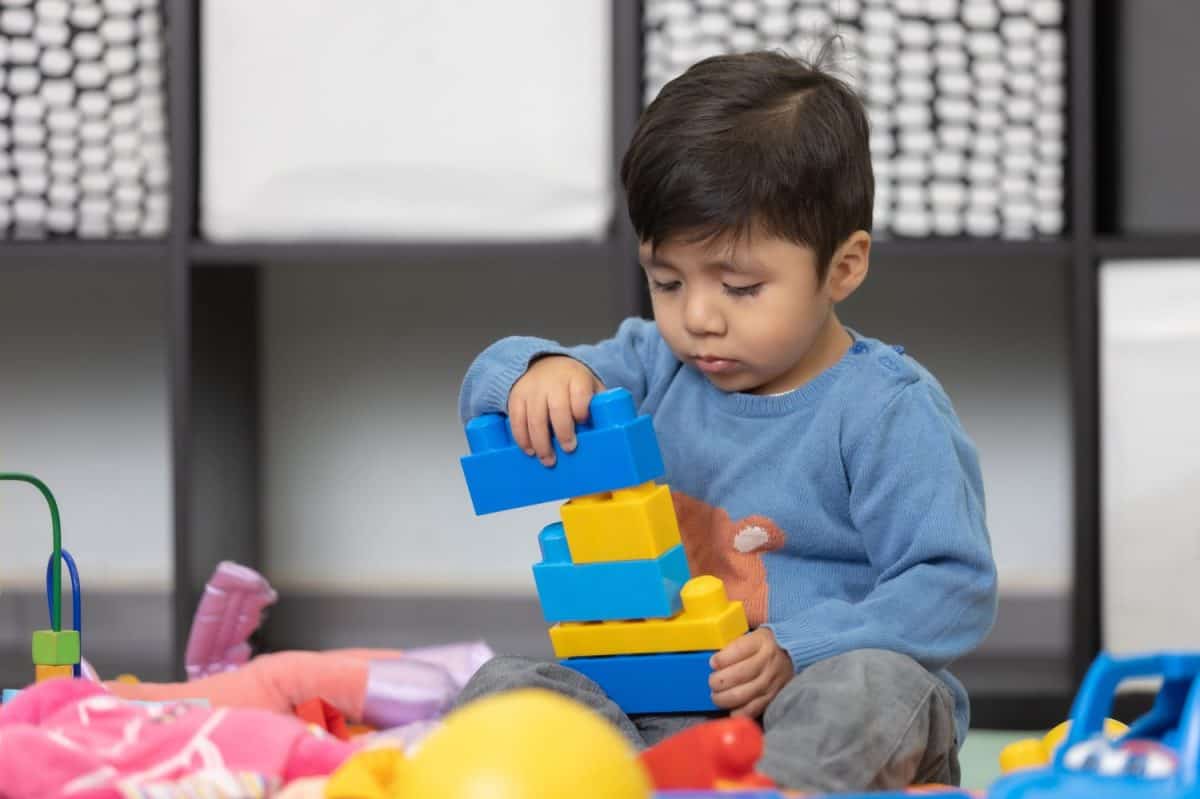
(740, 673)
(581, 397)
(562, 420)
(539, 431)
(734, 697)
(740, 649)
(518, 420)
(752, 709)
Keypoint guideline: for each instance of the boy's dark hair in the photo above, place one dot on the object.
(757, 140)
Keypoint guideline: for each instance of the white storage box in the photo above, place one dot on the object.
(1150, 425)
(373, 119)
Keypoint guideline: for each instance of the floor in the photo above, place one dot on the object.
(980, 756)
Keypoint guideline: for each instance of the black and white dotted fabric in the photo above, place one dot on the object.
(966, 97)
(83, 139)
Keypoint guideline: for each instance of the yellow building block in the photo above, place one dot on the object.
(708, 621)
(635, 523)
(41, 672)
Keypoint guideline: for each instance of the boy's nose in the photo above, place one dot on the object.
(702, 317)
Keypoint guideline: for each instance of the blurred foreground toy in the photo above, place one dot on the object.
(1158, 756)
(717, 754)
(517, 745)
(1037, 752)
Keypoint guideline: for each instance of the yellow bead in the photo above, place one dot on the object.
(44, 672)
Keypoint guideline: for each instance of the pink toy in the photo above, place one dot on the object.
(230, 609)
(382, 688)
(70, 738)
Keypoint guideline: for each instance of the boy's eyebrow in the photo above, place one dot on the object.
(717, 263)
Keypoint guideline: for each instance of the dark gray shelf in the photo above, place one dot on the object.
(399, 253)
(1149, 246)
(82, 253)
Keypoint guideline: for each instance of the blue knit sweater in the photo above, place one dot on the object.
(848, 513)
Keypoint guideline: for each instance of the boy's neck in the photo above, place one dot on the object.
(832, 342)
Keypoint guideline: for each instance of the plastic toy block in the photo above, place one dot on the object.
(676, 682)
(9, 695)
(629, 589)
(627, 524)
(52, 648)
(43, 672)
(716, 754)
(708, 621)
(320, 713)
(615, 449)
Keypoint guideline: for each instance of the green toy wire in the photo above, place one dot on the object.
(56, 598)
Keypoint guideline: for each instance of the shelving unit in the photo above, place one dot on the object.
(213, 293)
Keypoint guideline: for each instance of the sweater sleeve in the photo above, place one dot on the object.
(636, 358)
(916, 497)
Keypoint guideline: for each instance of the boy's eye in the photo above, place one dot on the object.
(659, 285)
(743, 291)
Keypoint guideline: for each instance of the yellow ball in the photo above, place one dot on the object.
(526, 744)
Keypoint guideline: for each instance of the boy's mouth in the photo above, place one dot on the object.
(712, 365)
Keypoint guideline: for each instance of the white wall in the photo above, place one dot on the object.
(362, 368)
(362, 485)
(83, 406)
(995, 333)
(362, 488)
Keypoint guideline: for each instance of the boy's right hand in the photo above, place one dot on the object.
(552, 395)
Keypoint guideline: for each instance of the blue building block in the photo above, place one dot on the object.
(623, 589)
(675, 682)
(616, 449)
(9, 695)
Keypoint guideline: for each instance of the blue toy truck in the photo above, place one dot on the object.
(1157, 758)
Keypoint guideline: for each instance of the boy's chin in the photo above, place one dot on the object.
(741, 383)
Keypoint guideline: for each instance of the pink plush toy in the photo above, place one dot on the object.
(382, 688)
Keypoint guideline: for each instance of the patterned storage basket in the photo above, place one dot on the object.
(966, 97)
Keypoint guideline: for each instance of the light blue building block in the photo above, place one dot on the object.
(616, 449)
(9, 695)
(623, 589)
(675, 682)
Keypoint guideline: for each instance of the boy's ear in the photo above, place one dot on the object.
(849, 266)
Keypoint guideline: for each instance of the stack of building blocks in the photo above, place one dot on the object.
(613, 579)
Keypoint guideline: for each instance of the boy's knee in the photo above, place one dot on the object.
(501, 673)
(510, 672)
(890, 718)
(876, 666)
(862, 678)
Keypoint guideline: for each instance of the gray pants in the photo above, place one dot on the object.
(865, 720)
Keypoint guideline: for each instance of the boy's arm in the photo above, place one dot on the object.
(636, 358)
(917, 498)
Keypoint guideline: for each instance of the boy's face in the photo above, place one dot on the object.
(749, 314)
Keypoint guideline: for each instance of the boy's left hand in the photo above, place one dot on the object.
(748, 673)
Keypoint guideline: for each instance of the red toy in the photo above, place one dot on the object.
(324, 715)
(715, 754)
